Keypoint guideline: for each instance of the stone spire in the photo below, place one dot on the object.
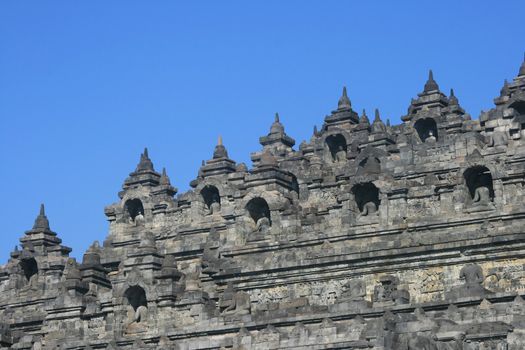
(277, 138)
(166, 188)
(145, 164)
(92, 255)
(144, 174)
(505, 89)
(219, 164)
(41, 238)
(378, 126)
(164, 179)
(364, 118)
(344, 101)
(522, 68)
(453, 109)
(452, 99)
(277, 127)
(343, 114)
(41, 221)
(430, 101)
(220, 151)
(431, 84)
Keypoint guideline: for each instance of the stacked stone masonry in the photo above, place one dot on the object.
(367, 236)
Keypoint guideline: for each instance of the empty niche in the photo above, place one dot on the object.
(212, 199)
(479, 184)
(259, 212)
(337, 147)
(134, 208)
(426, 129)
(367, 198)
(29, 268)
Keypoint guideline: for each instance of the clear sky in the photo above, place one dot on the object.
(85, 85)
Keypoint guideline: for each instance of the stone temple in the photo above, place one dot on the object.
(367, 236)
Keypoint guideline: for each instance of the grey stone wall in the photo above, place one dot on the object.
(367, 236)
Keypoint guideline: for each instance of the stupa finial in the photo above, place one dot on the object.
(431, 84)
(41, 221)
(344, 101)
(145, 164)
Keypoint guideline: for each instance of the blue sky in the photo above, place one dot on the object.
(86, 85)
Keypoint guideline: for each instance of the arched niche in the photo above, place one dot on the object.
(135, 297)
(367, 198)
(519, 107)
(29, 268)
(478, 180)
(337, 147)
(211, 197)
(133, 208)
(259, 212)
(426, 129)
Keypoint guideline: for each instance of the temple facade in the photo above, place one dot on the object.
(367, 236)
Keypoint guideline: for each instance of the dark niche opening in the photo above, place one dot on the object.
(136, 297)
(337, 147)
(367, 198)
(479, 184)
(426, 128)
(519, 107)
(134, 207)
(258, 210)
(295, 183)
(29, 268)
(210, 195)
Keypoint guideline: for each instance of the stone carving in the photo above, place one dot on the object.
(139, 219)
(431, 138)
(340, 154)
(235, 302)
(481, 195)
(354, 290)
(472, 276)
(215, 208)
(263, 225)
(140, 314)
(352, 296)
(369, 208)
(388, 291)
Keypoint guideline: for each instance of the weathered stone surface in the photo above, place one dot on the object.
(369, 236)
